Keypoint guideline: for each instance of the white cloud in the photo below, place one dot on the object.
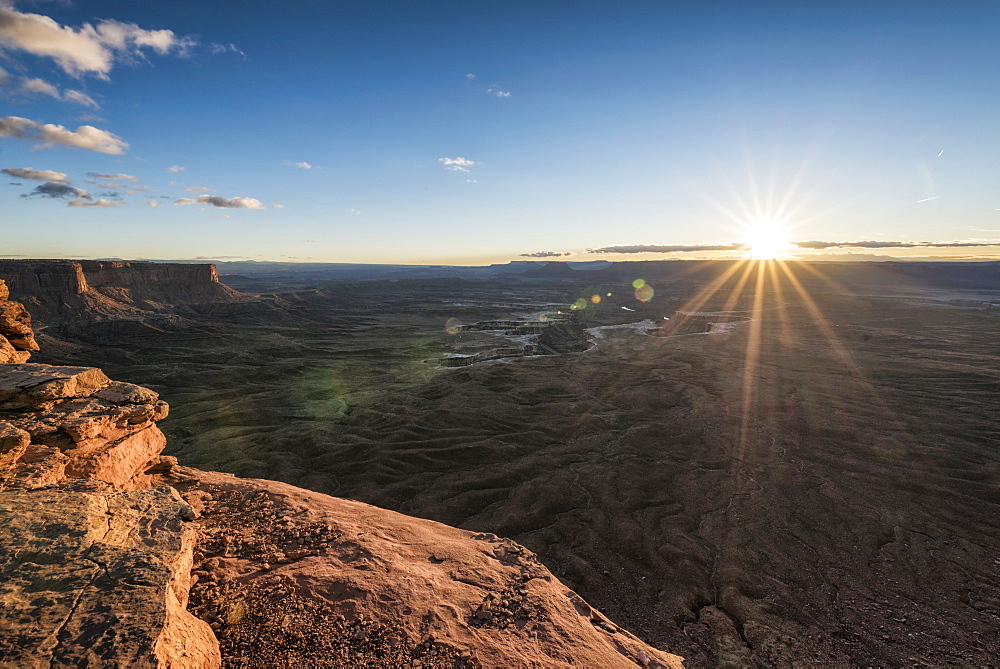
(5, 77)
(175, 169)
(84, 137)
(459, 164)
(96, 203)
(224, 202)
(302, 165)
(153, 203)
(87, 117)
(472, 181)
(497, 92)
(89, 49)
(277, 206)
(35, 175)
(464, 162)
(354, 211)
(225, 48)
(114, 177)
(41, 87)
(81, 99)
(198, 189)
(470, 75)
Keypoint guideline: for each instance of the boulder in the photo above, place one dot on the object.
(13, 443)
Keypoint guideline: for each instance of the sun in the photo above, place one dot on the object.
(765, 239)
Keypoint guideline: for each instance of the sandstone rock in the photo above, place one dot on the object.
(30, 385)
(439, 592)
(8, 354)
(80, 292)
(15, 325)
(91, 579)
(121, 462)
(127, 393)
(17, 339)
(81, 425)
(13, 444)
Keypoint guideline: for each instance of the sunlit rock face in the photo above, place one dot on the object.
(62, 292)
(97, 578)
(80, 425)
(290, 577)
(17, 340)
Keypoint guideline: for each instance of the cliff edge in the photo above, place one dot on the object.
(112, 554)
(85, 297)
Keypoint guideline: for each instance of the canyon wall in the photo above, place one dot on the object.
(66, 291)
(44, 277)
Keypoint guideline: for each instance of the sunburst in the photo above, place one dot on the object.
(766, 239)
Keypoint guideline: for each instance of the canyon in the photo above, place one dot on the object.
(793, 466)
(108, 549)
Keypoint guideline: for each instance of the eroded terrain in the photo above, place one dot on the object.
(818, 484)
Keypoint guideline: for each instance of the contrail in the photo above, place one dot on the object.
(929, 198)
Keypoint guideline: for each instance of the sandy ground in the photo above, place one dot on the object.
(816, 485)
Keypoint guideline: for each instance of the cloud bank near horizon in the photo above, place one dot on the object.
(668, 248)
(808, 246)
(889, 245)
(223, 202)
(546, 254)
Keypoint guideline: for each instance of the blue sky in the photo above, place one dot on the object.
(475, 132)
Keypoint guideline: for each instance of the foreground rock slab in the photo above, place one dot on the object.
(90, 576)
(289, 577)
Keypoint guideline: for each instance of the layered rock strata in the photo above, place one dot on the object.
(17, 340)
(73, 294)
(103, 541)
(95, 560)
